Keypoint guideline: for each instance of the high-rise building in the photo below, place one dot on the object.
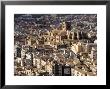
(57, 69)
(68, 26)
(66, 70)
(18, 52)
(61, 70)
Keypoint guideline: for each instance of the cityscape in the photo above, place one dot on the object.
(55, 44)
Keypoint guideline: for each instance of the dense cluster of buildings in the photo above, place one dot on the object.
(55, 45)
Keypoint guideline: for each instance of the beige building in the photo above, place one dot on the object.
(78, 72)
(31, 41)
(76, 48)
(48, 67)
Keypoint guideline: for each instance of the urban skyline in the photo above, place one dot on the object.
(55, 44)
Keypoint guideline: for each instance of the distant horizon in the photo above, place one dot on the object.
(39, 15)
